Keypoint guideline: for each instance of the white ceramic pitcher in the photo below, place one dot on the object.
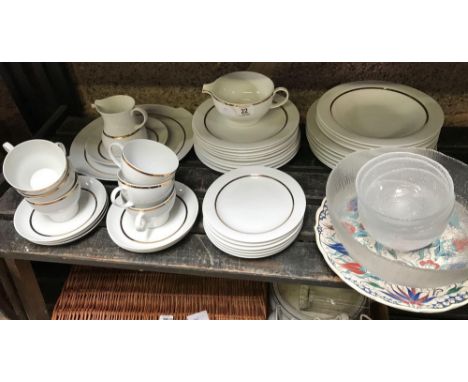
(118, 113)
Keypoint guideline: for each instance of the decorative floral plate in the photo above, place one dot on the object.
(422, 300)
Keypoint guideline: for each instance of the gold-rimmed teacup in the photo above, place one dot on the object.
(35, 167)
(153, 216)
(63, 208)
(141, 195)
(107, 139)
(144, 162)
(61, 188)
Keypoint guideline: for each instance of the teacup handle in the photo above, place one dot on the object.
(62, 146)
(143, 113)
(111, 154)
(283, 101)
(7, 146)
(140, 222)
(113, 198)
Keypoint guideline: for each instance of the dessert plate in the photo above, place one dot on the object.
(254, 204)
(250, 254)
(179, 138)
(121, 229)
(421, 300)
(253, 246)
(39, 229)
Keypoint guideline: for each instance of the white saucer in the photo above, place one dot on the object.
(120, 225)
(39, 229)
(157, 131)
(178, 123)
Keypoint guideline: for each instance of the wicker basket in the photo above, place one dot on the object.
(103, 294)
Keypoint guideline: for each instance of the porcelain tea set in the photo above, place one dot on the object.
(60, 206)
(394, 225)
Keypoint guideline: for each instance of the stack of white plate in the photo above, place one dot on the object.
(253, 212)
(371, 114)
(224, 146)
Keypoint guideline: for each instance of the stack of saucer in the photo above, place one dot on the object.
(253, 212)
(241, 126)
(148, 207)
(371, 114)
(59, 206)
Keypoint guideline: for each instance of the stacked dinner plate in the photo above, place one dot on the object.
(253, 212)
(371, 114)
(223, 145)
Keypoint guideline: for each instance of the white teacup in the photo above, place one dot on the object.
(152, 217)
(107, 140)
(140, 196)
(118, 113)
(63, 208)
(244, 97)
(63, 187)
(144, 162)
(35, 167)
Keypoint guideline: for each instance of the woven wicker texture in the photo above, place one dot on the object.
(108, 294)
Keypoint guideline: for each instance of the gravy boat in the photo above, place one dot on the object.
(244, 97)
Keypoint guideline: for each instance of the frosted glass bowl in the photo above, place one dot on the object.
(405, 200)
(442, 263)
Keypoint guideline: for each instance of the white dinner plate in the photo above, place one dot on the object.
(275, 128)
(276, 163)
(40, 229)
(376, 113)
(121, 229)
(329, 151)
(236, 156)
(273, 157)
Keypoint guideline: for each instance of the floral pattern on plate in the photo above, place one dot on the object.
(423, 300)
(450, 251)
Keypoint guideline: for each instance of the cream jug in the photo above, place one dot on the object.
(118, 113)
